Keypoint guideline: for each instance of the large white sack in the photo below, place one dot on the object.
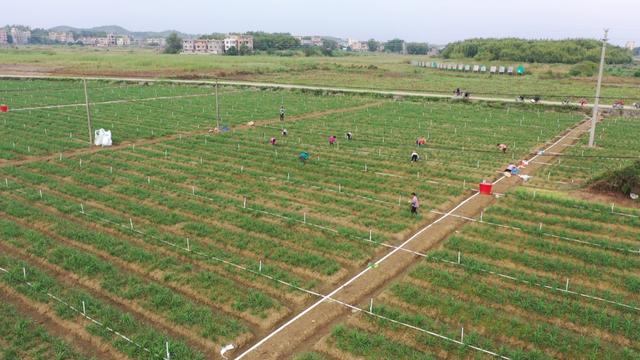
(102, 138)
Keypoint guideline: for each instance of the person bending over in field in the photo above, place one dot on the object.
(414, 156)
(502, 147)
(273, 141)
(349, 136)
(332, 140)
(284, 132)
(304, 156)
(282, 111)
(421, 141)
(415, 204)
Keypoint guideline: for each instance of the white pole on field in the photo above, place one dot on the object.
(594, 116)
(168, 355)
(24, 273)
(84, 309)
(217, 108)
(86, 100)
(371, 306)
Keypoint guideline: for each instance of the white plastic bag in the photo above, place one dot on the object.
(102, 138)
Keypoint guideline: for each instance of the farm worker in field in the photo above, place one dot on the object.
(457, 92)
(282, 111)
(349, 136)
(415, 204)
(332, 140)
(272, 141)
(502, 147)
(304, 156)
(583, 102)
(414, 156)
(284, 132)
(511, 170)
(421, 141)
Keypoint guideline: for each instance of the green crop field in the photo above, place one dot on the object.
(186, 239)
(374, 71)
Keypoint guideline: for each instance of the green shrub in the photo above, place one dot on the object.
(584, 68)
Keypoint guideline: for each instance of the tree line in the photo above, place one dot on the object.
(570, 51)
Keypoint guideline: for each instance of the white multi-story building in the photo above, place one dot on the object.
(62, 37)
(630, 45)
(203, 46)
(161, 42)
(123, 40)
(238, 41)
(3, 37)
(20, 37)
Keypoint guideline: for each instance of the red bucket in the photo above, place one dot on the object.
(4, 108)
(486, 188)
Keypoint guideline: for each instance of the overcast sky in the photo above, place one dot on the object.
(437, 22)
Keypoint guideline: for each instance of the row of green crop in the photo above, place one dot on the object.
(152, 296)
(42, 129)
(220, 241)
(23, 338)
(615, 149)
(108, 315)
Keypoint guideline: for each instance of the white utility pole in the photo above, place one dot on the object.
(86, 100)
(217, 109)
(594, 117)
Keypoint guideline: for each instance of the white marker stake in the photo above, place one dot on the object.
(40, 194)
(566, 287)
(540, 227)
(371, 306)
(365, 167)
(131, 223)
(244, 204)
(81, 208)
(305, 218)
(459, 255)
(188, 245)
(260, 266)
(84, 309)
(481, 215)
(60, 156)
(6, 182)
(168, 355)
(370, 234)
(24, 273)
(288, 176)
(193, 190)
(612, 205)
(462, 335)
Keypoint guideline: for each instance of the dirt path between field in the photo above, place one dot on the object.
(267, 85)
(302, 331)
(70, 331)
(125, 144)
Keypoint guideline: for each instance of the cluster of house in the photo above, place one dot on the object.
(217, 47)
(22, 37)
(493, 69)
(19, 36)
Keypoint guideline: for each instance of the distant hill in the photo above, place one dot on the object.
(119, 30)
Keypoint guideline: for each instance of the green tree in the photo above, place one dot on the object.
(232, 51)
(373, 45)
(244, 50)
(328, 46)
(173, 44)
(273, 41)
(394, 46)
(417, 48)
